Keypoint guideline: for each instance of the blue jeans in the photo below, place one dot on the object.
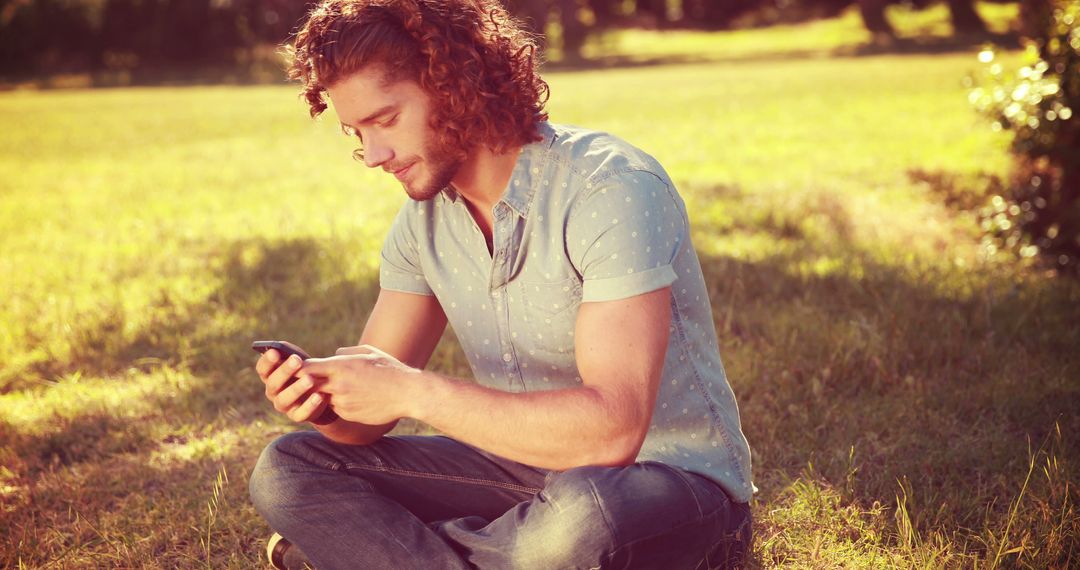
(433, 502)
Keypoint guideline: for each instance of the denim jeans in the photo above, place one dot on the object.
(435, 503)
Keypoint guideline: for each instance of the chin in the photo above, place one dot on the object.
(422, 194)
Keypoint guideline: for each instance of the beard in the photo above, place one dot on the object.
(442, 165)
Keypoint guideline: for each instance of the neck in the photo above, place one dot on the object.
(484, 176)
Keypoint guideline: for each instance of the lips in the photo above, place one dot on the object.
(402, 172)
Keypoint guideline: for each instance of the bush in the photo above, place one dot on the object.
(1039, 213)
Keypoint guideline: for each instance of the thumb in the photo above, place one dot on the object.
(358, 349)
(318, 367)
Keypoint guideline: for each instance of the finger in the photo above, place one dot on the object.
(375, 350)
(293, 395)
(311, 408)
(279, 377)
(267, 363)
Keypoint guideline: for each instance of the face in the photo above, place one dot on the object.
(393, 121)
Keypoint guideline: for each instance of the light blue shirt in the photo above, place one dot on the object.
(585, 217)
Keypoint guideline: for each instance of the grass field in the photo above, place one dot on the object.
(911, 400)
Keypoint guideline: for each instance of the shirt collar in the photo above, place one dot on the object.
(519, 190)
(523, 181)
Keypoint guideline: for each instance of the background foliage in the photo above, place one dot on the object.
(1039, 212)
(125, 41)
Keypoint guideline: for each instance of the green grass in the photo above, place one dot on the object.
(910, 399)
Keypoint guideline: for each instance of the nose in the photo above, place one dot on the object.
(376, 152)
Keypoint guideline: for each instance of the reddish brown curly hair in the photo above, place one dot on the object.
(476, 63)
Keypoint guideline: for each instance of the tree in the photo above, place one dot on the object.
(873, 16)
(532, 13)
(965, 19)
(1040, 211)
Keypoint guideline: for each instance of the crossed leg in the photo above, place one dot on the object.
(434, 502)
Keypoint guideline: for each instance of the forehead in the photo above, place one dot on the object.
(366, 91)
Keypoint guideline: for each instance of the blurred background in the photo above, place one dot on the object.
(118, 42)
(884, 197)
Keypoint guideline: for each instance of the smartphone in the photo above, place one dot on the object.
(287, 349)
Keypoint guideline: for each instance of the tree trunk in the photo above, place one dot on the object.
(965, 19)
(604, 10)
(1034, 17)
(873, 16)
(573, 31)
(657, 9)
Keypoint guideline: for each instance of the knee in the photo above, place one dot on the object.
(277, 479)
(646, 485)
(565, 525)
(625, 498)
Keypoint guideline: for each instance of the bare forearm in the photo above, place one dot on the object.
(409, 346)
(556, 429)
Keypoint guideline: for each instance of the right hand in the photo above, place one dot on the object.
(298, 401)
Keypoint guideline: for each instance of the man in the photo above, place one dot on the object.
(601, 431)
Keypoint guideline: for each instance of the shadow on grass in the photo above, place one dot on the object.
(929, 45)
(264, 75)
(935, 377)
(87, 462)
(932, 45)
(959, 193)
(290, 290)
(134, 507)
(940, 386)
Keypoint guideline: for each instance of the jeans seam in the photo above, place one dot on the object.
(328, 465)
(442, 477)
(603, 513)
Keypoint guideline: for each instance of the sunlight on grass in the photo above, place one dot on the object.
(151, 234)
(820, 38)
(74, 396)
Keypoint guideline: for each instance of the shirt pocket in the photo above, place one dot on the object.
(546, 314)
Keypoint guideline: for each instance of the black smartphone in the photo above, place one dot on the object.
(287, 349)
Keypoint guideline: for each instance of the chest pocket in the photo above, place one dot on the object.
(545, 315)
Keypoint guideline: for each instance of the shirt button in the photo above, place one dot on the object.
(507, 357)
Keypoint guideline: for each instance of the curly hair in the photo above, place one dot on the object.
(476, 63)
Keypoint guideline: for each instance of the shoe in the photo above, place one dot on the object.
(283, 555)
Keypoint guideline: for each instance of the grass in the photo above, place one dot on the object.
(910, 398)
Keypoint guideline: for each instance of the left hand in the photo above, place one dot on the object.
(365, 384)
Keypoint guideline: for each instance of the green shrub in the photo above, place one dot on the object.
(1039, 213)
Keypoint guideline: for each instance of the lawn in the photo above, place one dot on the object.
(909, 396)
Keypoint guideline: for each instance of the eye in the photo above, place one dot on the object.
(391, 121)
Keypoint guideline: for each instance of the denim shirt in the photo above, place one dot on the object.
(585, 217)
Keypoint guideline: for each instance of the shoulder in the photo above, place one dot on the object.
(597, 156)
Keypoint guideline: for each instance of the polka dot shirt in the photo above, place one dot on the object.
(585, 217)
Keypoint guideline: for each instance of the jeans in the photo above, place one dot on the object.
(435, 503)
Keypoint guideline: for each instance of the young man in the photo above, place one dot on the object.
(601, 430)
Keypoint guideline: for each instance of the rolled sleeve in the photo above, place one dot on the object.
(400, 268)
(624, 237)
(622, 287)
